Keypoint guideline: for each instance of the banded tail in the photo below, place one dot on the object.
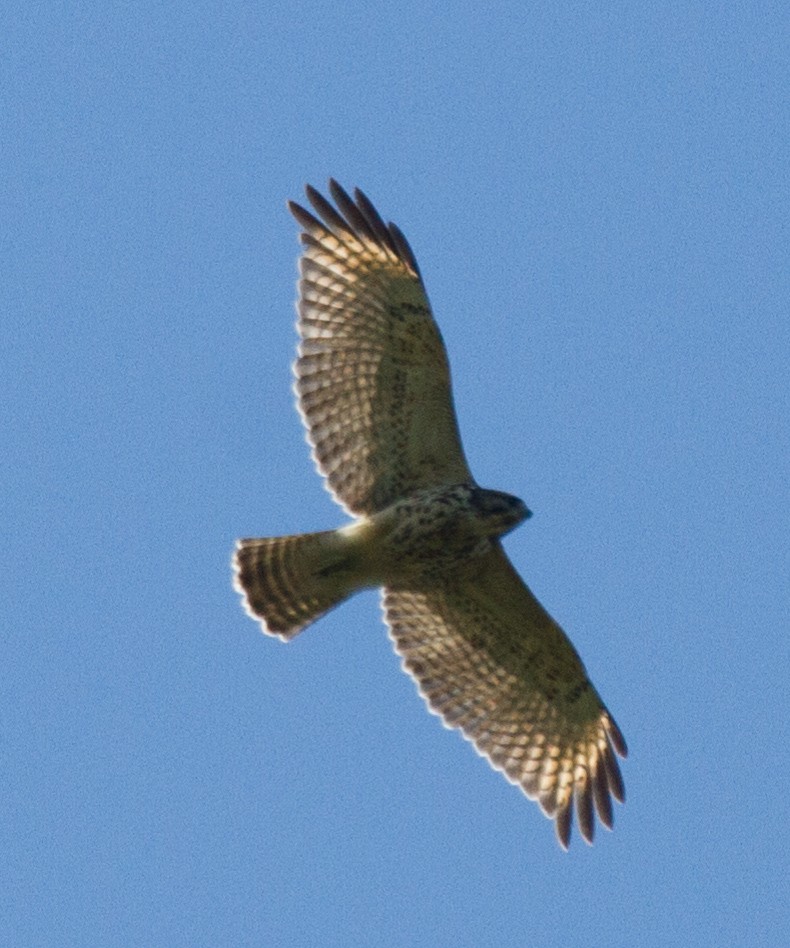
(289, 582)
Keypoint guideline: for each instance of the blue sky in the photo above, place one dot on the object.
(598, 198)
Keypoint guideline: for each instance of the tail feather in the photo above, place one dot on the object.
(289, 582)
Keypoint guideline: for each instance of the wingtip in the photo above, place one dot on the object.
(616, 737)
(337, 190)
(562, 825)
(603, 801)
(614, 778)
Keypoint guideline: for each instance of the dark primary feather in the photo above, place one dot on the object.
(326, 212)
(404, 249)
(351, 212)
(375, 222)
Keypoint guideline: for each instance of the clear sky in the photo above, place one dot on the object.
(597, 194)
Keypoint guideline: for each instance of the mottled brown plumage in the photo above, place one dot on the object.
(373, 385)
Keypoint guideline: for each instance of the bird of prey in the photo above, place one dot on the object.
(373, 388)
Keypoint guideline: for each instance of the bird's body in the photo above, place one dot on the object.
(436, 530)
(374, 390)
(410, 543)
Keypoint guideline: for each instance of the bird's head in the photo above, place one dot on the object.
(501, 512)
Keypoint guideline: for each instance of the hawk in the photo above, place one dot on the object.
(373, 387)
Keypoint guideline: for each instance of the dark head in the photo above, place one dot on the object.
(502, 512)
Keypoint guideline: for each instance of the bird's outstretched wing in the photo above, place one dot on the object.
(372, 376)
(490, 660)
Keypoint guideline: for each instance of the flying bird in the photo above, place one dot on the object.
(373, 389)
